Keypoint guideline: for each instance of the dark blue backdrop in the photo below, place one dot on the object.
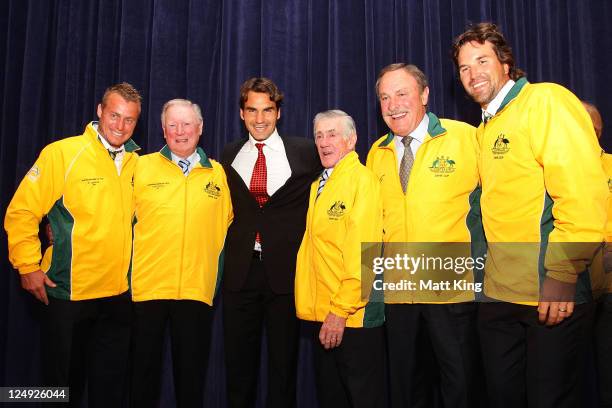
(59, 55)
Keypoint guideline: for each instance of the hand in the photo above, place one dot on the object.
(34, 282)
(331, 331)
(556, 301)
(553, 313)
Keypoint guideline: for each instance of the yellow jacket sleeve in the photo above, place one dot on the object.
(38, 191)
(564, 144)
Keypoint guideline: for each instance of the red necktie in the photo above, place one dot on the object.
(259, 180)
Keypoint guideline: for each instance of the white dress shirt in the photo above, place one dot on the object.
(494, 105)
(418, 135)
(277, 163)
(193, 159)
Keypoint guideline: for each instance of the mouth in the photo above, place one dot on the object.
(260, 128)
(478, 84)
(397, 115)
(182, 140)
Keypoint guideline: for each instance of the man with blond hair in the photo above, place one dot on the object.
(83, 184)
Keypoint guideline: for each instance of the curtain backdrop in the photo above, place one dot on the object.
(58, 56)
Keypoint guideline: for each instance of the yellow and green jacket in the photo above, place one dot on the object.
(543, 192)
(441, 203)
(328, 277)
(75, 183)
(179, 228)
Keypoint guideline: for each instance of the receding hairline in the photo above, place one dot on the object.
(348, 122)
(182, 102)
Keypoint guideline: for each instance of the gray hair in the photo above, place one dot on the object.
(349, 123)
(411, 69)
(181, 102)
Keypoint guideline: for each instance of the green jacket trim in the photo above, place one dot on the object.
(478, 241)
(435, 127)
(374, 314)
(131, 146)
(60, 271)
(514, 91)
(584, 292)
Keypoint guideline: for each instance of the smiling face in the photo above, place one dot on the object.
(260, 115)
(331, 144)
(118, 119)
(182, 130)
(481, 72)
(402, 103)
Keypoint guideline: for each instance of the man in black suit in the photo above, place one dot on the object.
(269, 179)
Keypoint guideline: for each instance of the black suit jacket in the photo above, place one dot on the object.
(281, 221)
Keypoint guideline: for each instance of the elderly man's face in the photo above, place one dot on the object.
(260, 115)
(401, 101)
(481, 72)
(331, 144)
(182, 130)
(118, 119)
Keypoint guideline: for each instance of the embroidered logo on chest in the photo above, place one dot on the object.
(442, 166)
(500, 146)
(337, 210)
(213, 190)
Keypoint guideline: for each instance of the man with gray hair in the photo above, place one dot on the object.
(429, 184)
(345, 210)
(178, 193)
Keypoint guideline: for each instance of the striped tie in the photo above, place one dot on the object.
(322, 182)
(406, 163)
(184, 165)
(114, 153)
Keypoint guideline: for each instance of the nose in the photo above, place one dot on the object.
(120, 124)
(179, 129)
(392, 103)
(259, 117)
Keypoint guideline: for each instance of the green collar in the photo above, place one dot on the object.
(434, 129)
(204, 161)
(514, 91)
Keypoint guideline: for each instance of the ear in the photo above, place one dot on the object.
(278, 114)
(506, 69)
(352, 141)
(425, 96)
(99, 110)
(241, 114)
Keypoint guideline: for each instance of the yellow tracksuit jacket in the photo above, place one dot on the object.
(75, 183)
(441, 203)
(542, 184)
(180, 228)
(328, 273)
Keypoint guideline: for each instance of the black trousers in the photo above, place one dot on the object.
(451, 331)
(603, 349)
(528, 364)
(189, 322)
(87, 342)
(244, 314)
(351, 375)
